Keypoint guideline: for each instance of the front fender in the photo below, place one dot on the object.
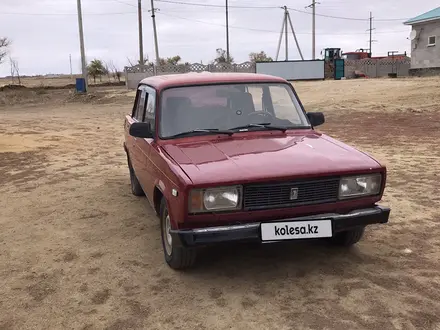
(175, 203)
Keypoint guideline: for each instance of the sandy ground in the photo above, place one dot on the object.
(62, 80)
(78, 251)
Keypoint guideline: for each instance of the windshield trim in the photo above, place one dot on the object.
(257, 82)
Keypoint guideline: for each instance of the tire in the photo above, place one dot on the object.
(136, 188)
(348, 238)
(176, 257)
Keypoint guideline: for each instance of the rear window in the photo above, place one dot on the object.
(199, 97)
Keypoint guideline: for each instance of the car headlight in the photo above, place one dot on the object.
(215, 199)
(358, 186)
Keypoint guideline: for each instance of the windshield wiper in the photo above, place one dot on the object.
(262, 125)
(203, 130)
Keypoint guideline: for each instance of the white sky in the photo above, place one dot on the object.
(45, 32)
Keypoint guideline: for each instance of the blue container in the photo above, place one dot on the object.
(80, 85)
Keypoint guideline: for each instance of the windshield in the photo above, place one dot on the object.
(229, 107)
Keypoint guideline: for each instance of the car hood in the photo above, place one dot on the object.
(261, 158)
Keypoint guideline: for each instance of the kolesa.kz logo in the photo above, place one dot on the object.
(303, 230)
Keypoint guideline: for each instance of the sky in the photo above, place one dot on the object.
(44, 33)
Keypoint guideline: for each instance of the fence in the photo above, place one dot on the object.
(293, 70)
(377, 68)
(133, 75)
(371, 67)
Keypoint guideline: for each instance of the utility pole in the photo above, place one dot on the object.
(281, 35)
(153, 16)
(392, 56)
(285, 32)
(371, 33)
(81, 42)
(313, 6)
(227, 32)
(313, 28)
(70, 60)
(141, 42)
(294, 36)
(287, 20)
(12, 70)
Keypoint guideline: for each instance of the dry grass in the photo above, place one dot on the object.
(36, 82)
(80, 252)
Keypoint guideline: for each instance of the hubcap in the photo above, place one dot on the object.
(168, 240)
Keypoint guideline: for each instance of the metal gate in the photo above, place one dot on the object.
(339, 69)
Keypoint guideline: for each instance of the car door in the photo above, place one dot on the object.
(143, 146)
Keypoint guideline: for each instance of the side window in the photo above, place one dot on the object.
(138, 111)
(136, 103)
(150, 110)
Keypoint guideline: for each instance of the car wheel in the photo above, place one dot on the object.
(176, 257)
(348, 238)
(136, 188)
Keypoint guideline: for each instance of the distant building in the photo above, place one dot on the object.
(425, 43)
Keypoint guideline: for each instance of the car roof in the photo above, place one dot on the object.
(200, 78)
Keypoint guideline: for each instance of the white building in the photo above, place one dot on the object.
(425, 42)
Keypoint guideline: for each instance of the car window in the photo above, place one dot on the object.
(257, 93)
(136, 104)
(228, 106)
(140, 105)
(282, 104)
(150, 109)
(200, 96)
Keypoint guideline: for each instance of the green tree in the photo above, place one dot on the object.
(260, 57)
(170, 60)
(146, 62)
(222, 57)
(174, 60)
(96, 69)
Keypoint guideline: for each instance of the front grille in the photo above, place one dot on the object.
(278, 195)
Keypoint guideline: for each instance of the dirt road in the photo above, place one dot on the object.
(78, 251)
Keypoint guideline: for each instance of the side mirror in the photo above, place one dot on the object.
(141, 130)
(316, 118)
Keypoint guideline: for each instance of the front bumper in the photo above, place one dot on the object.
(251, 232)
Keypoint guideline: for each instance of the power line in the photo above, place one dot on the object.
(65, 14)
(347, 18)
(275, 7)
(271, 31)
(125, 3)
(198, 4)
(206, 6)
(329, 16)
